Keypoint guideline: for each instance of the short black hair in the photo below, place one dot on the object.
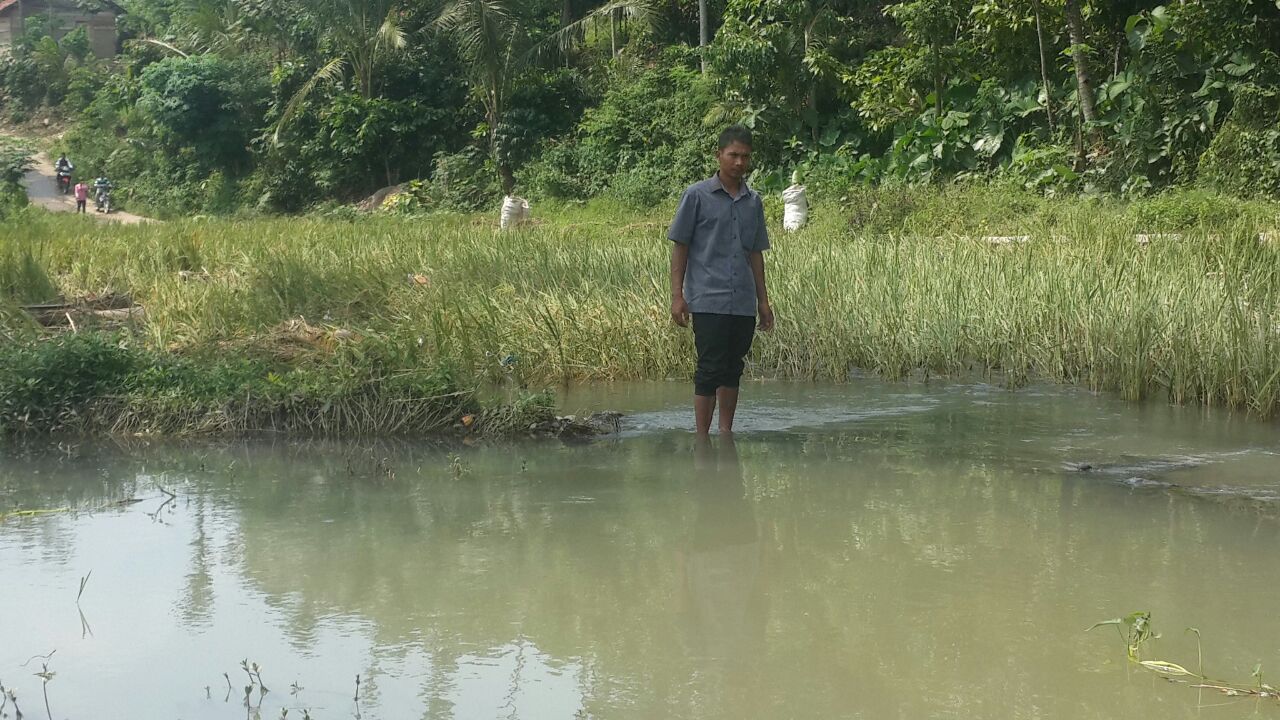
(735, 134)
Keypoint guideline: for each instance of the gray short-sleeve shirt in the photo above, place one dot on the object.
(720, 231)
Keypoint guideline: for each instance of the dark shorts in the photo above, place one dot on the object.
(723, 342)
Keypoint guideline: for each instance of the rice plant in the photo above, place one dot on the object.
(1191, 316)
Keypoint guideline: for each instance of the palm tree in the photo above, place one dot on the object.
(643, 12)
(489, 34)
(486, 32)
(361, 34)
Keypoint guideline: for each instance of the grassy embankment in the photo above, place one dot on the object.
(413, 310)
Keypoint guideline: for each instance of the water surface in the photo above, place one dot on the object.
(866, 551)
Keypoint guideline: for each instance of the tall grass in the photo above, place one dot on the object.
(891, 282)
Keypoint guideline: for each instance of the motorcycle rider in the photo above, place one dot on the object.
(102, 191)
(63, 169)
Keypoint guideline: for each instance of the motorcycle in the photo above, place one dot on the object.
(64, 181)
(104, 200)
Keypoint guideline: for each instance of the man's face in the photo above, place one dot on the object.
(735, 161)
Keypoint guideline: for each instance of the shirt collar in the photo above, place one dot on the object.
(743, 190)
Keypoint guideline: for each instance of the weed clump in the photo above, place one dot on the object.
(108, 383)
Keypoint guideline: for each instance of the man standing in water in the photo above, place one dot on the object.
(717, 277)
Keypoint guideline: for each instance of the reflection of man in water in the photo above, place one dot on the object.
(723, 592)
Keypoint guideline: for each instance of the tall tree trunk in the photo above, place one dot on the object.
(492, 116)
(938, 81)
(811, 97)
(566, 17)
(704, 32)
(613, 33)
(1044, 66)
(508, 178)
(1084, 86)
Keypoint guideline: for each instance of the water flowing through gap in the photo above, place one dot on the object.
(874, 550)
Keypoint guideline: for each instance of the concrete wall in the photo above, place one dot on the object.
(102, 35)
(100, 26)
(9, 29)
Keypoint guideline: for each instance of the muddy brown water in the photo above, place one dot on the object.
(865, 551)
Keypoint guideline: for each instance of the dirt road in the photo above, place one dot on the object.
(42, 189)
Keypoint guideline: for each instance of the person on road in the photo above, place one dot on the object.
(102, 190)
(82, 196)
(717, 277)
(62, 172)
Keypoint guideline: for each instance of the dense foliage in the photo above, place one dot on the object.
(282, 105)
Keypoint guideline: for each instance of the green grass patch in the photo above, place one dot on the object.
(95, 383)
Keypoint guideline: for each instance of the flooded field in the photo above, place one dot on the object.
(862, 551)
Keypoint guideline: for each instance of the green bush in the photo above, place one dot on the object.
(1244, 157)
(645, 141)
(206, 103)
(23, 88)
(1178, 210)
(46, 385)
(463, 181)
(83, 85)
(15, 160)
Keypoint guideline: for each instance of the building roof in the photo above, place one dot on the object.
(6, 4)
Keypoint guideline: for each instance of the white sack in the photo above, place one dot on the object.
(796, 208)
(514, 211)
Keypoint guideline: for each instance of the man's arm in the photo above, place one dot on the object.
(679, 264)
(756, 260)
(681, 236)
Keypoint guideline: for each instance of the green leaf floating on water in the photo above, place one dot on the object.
(1166, 668)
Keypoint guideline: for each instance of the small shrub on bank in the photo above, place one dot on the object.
(1187, 209)
(49, 385)
(106, 383)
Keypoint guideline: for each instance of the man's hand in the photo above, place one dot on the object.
(679, 311)
(766, 317)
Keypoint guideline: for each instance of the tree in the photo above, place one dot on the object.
(932, 24)
(643, 12)
(361, 33)
(704, 32)
(204, 102)
(494, 38)
(486, 32)
(785, 58)
(1080, 58)
(1001, 31)
(1044, 62)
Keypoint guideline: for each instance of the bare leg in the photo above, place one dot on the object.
(703, 457)
(728, 399)
(704, 407)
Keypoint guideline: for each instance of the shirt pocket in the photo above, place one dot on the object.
(711, 219)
